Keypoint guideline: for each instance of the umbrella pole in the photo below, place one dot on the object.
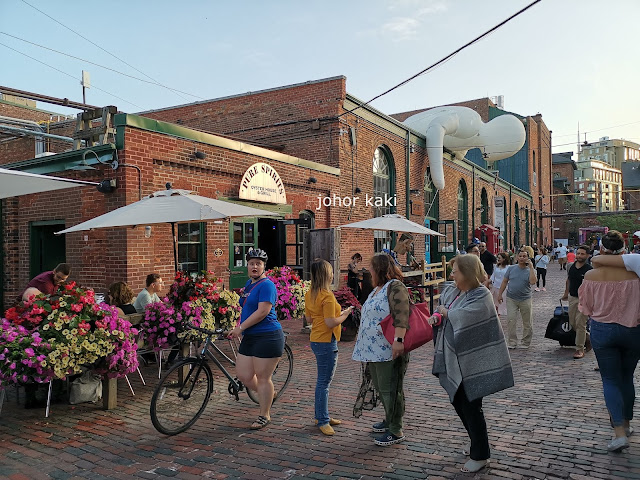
(175, 251)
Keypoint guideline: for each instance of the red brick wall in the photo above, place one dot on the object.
(282, 118)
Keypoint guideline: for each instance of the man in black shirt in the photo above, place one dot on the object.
(487, 258)
(577, 319)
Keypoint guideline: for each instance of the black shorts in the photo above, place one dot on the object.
(263, 345)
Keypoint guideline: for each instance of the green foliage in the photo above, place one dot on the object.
(622, 223)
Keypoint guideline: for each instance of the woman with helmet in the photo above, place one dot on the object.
(262, 337)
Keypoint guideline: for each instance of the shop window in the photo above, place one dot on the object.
(191, 247)
(463, 215)
(383, 187)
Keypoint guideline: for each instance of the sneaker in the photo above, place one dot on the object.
(544, 289)
(537, 289)
(628, 431)
(511, 347)
(380, 427)
(389, 439)
(615, 445)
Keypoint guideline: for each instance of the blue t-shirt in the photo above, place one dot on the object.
(261, 291)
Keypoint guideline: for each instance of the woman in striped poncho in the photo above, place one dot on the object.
(471, 358)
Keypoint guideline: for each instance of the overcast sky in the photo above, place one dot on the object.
(573, 61)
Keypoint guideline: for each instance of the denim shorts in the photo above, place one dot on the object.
(263, 345)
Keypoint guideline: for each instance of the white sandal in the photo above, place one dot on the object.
(473, 466)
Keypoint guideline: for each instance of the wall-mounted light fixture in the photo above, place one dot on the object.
(114, 164)
(480, 209)
(312, 180)
(412, 148)
(357, 190)
(147, 231)
(200, 155)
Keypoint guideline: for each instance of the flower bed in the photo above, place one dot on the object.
(291, 291)
(197, 300)
(52, 336)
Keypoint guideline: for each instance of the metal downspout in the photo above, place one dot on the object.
(473, 200)
(407, 173)
(2, 290)
(510, 219)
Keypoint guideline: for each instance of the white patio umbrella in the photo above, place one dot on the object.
(392, 222)
(14, 183)
(169, 206)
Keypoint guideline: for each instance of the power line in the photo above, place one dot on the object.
(98, 65)
(599, 129)
(96, 45)
(68, 74)
(443, 60)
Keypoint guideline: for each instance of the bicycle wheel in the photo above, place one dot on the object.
(181, 396)
(281, 375)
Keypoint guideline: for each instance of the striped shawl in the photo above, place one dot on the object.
(470, 347)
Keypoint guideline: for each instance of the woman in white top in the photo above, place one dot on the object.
(540, 262)
(504, 261)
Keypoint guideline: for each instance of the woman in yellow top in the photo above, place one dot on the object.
(322, 311)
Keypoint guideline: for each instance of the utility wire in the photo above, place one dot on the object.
(431, 67)
(98, 65)
(69, 75)
(598, 130)
(96, 45)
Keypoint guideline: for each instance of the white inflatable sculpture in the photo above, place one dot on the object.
(460, 129)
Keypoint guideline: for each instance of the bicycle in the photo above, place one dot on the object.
(183, 393)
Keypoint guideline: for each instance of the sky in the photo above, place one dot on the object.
(576, 62)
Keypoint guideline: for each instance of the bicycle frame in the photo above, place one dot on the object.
(235, 386)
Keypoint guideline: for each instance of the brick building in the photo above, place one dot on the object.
(308, 133)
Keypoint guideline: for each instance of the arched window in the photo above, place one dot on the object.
(463, 215)
(484, 203)
(527, 238)
(516, 229)
(431, 200)
(383, 188)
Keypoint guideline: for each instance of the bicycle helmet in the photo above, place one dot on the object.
(257, 253)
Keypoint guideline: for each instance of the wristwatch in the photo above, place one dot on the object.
(399, 339)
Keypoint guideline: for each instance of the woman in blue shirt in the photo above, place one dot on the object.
(262, 342)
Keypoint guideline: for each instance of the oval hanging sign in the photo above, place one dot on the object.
(262, 183)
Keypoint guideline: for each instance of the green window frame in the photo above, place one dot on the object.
(383, 184)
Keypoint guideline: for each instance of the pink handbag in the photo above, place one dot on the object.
(419, 332)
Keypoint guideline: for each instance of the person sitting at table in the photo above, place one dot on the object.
(150, 293)
(353, 274)
(120, 296)
(47, 282)
(402, 247)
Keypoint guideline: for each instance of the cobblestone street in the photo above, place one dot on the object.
(552, 424)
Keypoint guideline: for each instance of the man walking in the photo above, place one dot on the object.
(518, 281)
(487, 258)
(577, 319)
(561, 253)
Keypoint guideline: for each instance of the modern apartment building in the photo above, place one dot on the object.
(613, 152)
(600, 184)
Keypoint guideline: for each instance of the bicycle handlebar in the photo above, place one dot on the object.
(210, 333)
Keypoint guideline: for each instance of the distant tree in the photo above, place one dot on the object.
(622, 223)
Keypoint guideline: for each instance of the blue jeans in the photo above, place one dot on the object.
(617, 349)
(326, 358)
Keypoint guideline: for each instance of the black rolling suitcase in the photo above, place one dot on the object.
(559, 328)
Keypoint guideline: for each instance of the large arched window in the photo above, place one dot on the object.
(527, 238)
(383, 188)
(463, 215)
(484, 203)
(516, 230)
(431, 201)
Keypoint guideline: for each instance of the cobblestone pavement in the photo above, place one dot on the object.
(552, 424)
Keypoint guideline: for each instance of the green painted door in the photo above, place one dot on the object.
(243, 236)
(447, 243)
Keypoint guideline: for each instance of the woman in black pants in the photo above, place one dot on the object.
(540, 262)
